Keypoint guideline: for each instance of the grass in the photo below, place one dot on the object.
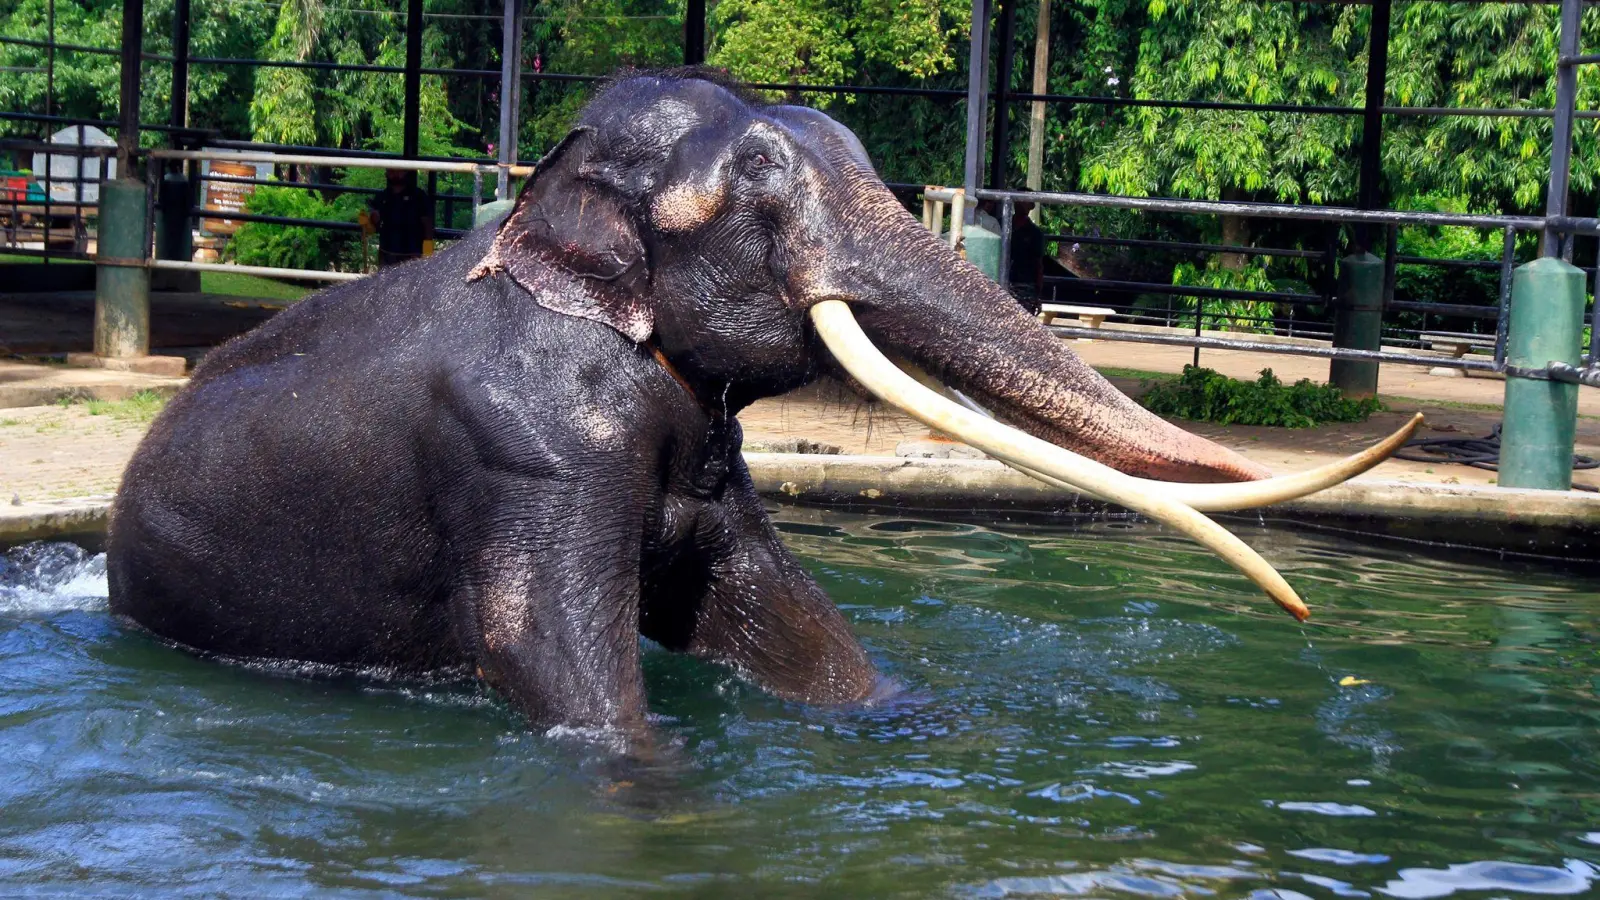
(140, 409)
(1141, 374)
(238, 285)
(230, 283)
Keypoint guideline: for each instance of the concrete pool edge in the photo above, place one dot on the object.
(1564, 524)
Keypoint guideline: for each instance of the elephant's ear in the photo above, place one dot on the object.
(572, 243)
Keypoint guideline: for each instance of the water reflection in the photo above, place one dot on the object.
(1094, 711)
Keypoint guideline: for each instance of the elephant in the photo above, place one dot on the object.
(514, 458)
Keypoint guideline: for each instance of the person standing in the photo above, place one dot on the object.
(403, 217)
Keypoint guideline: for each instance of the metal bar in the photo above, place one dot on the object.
(264, 271)
(128, 104)
(316, 186)
(1461, 310)
(1008, 209)
(977, 107)
(347, 162)
(180, 64)
(1561, 132)
(694, 32)
(50, 61)
(1581, 59)
(1036, 111)
(1508, 263)
(1284, 211)
(1186, 245)
(413, 78)
(1000, 155)
(510, 94)
(1391, 252)
(1185, 290)
(1184, 340)
(1369, 189)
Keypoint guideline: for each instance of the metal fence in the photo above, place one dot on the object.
(987, 148)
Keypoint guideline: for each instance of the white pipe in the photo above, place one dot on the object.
(263, 271)
(343, 162)
(855, 352)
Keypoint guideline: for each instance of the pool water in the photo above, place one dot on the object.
(1096, 710)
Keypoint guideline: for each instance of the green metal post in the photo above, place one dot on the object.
(488, 212)
(122, 284)
(1358, 324)
(983, 249)
(1541, 417)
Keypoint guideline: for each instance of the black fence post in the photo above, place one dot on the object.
(1000, 155)
(694, 33)
(413, 77)
(1369, 194)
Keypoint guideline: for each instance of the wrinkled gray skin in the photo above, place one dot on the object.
(477, 460)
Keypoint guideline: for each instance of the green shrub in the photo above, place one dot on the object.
(1205, 396)
(292, 246)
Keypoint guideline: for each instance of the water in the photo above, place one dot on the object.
(1100, 711)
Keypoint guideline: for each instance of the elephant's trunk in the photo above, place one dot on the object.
(943, 314)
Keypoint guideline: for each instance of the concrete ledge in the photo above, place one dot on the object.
(1553, 524)
(53, 519)
(172, 366)
(1562, 524)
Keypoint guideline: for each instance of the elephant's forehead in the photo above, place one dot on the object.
(669, 118)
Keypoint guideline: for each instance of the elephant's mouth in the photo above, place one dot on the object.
(1179, 505)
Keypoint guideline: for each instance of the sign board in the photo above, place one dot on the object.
(229, 196)
(75, 177)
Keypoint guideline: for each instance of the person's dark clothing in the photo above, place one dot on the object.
(402, 224)
(1027, 259)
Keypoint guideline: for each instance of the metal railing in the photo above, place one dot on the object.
(160, 158)
(937, 198)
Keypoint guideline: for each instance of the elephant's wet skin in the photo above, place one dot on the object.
(519, 455)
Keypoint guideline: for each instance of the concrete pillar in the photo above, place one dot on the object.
(122, 292)
(983, 249)
(488, 212)
(1547, 299)
(1358, 324)
(122, 287)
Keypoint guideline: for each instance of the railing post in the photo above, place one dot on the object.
(1541, 416)
(1358, 323)
(122, 283)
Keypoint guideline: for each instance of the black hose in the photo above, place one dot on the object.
(1480, 453)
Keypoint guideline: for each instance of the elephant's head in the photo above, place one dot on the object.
(682, 212)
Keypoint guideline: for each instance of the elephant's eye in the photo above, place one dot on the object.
(756, 163)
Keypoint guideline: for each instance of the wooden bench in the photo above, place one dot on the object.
(1091, 316)
(1457, 345)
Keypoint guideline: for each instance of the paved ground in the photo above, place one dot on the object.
(79, 449)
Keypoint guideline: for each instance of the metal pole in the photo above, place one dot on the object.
(180, 64)
(50, 64)
(1561, 132)
(128, 108)
(694, 32)
(977, 106)
(413, 77)
(1508, 262)
(1041, 85)
(510, 95)
(999, 160)
(1541, 416)
(1369, 193)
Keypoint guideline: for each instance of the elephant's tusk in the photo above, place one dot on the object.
(837, 327)
(1237, 495)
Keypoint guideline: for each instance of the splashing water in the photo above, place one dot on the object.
(1099, 710)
